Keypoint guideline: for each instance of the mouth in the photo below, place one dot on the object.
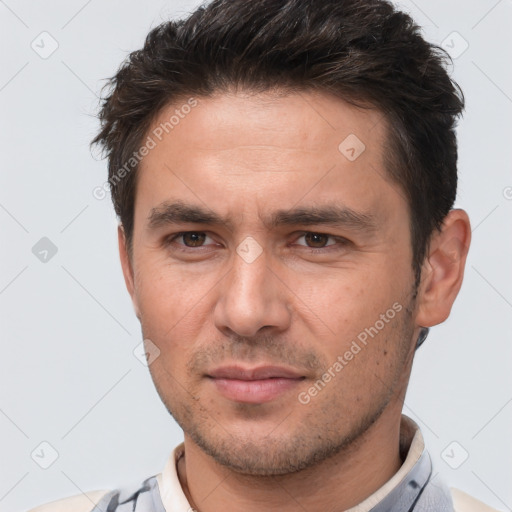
(254, 385)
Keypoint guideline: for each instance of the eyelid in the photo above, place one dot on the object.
(175, 236)
(304, 233)
(340, 242)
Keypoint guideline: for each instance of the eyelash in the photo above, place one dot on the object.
(342, 242)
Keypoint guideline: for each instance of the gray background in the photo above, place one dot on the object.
(68, 373)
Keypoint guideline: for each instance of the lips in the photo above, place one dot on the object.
(259, 373)
(254, 385)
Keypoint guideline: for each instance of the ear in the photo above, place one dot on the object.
(443, 269)
(126, 264)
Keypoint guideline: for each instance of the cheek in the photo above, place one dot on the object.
(175, 303)
(167, 290)
(343, 300)
(356, 318)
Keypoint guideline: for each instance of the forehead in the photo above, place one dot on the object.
(233, 150)
(295, 121)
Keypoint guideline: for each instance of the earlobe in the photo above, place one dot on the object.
(443, 270)
(127, 267)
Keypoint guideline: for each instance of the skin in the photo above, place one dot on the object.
(245, 156)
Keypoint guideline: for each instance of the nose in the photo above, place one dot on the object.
(251, 297)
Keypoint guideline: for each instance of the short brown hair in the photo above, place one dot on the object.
(363, 51)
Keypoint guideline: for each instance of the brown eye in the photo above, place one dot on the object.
(321, 242)
(193, 238)
(316, 240)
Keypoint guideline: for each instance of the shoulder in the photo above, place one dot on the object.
(463, 502)
(134, 497)
(80, 503)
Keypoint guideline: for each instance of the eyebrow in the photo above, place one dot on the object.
(178, 212)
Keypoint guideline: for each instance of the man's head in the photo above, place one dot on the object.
(307, 151)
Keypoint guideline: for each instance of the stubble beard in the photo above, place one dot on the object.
(312, 439)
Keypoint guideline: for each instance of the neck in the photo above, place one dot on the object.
(338, 483)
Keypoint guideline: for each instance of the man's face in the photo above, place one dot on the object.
(332, 302)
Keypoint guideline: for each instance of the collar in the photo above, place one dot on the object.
(412, 447)
(401, 492)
